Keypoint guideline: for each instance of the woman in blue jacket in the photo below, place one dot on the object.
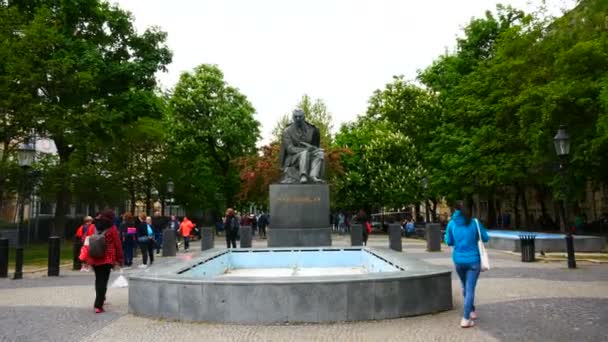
(461, 233)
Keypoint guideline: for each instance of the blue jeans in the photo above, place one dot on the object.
(158, 237)
(127, 247)
(468, 274)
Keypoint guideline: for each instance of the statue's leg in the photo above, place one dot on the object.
(304, 159)
(316, 168)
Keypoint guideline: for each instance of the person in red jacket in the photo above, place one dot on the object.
(87, 228)
(113, 256)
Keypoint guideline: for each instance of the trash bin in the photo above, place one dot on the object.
(527, 247)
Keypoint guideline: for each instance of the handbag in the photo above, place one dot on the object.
(483, 254)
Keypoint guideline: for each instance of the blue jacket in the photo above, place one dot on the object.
(464, 239)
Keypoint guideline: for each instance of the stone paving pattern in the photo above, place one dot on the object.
(515, 301)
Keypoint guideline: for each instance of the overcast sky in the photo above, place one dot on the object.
(275, 51)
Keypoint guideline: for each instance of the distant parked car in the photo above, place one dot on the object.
(377, 227)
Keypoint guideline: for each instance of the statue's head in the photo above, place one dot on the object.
(298, 117)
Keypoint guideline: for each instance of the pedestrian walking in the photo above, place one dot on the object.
(103, 251)
(462, 234)
(158, 224)
(231, 227)
(128, 235)
(87, 228)
(145, 239)
(174, 226)
(262, 223)
(185, 229)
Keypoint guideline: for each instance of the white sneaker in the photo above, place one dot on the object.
(142, 266)
(466, 323)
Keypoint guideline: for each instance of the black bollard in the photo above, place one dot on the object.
(433, 237)
(18, 263)
(356, 234)
(77, 247)
(169, 242)
(207, 238)
(3, 257)
(54, 256)
(394, 237)
(570, 251)
(245, 233)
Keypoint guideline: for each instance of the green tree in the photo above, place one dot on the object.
(380, 169)
(86, 65)
(212, 125)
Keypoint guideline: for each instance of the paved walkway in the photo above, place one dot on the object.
(515, 301)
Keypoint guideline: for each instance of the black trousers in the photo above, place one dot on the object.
(230, 239)
(147, 249)
(102, 276)
(263, 231)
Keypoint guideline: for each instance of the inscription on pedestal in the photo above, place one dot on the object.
(299, 206)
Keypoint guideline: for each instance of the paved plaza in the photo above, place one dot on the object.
(515, 301)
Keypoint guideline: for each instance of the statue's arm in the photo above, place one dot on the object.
(291, 145)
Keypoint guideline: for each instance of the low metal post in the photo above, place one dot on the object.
(356, 234)
(433, 237)
(77, 264)
(169, 242)
(54, 256)
(207, 238)
(3, 257)
(570, 251)
(18, 263)
(245, 233)
(394, 237)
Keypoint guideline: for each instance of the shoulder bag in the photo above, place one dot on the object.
(483, 254)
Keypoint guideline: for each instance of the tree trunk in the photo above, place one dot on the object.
(499, 213)
(62, 199)
(149, 201)
(434, 211)
(427, 211)
(524, 204)
(491, 220)
(516, 208)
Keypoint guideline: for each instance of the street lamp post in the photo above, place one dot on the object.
(561, 143)
(170, 188)
(25, 157)
(425, 187)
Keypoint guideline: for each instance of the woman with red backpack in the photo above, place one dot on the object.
(103, 251)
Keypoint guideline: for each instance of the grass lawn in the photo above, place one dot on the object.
(35, 255)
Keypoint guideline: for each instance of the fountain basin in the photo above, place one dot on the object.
(295, 285)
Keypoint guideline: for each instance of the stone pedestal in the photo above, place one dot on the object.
(299, 215)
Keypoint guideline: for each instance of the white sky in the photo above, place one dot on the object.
(275, 51)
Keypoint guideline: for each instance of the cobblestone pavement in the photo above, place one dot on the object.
(515, 301)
